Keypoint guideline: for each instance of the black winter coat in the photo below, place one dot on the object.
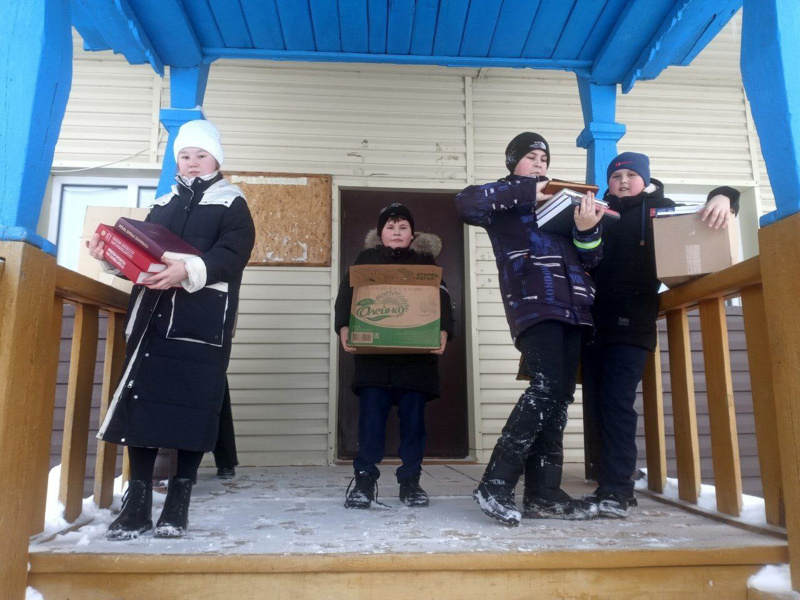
(418, 372)
(542, 276)
(179, 341)
(626, 305)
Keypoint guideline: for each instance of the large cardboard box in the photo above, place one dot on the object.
(107, 215)
(687, 248)
(395, 309)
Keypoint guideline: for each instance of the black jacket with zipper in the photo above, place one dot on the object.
(418, 372)
(625, 308)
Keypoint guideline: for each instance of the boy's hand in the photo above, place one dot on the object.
(343, 333)
(540, 196)
(169, 277)
(588, 214)
(96, 247)
(717, 212)
(443, 337)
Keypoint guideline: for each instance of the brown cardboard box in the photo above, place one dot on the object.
(108, 215)
(395, 309)
(687, 248)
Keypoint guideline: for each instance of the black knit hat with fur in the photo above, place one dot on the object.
(395, 211)
(522, 144)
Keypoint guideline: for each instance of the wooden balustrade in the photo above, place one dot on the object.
(708, 295)
(32, 294)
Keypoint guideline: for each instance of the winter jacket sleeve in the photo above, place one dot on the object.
(589, 245)
(731, 193)
(229, 255)
(446, 311)
(341, 309)
(480, 204)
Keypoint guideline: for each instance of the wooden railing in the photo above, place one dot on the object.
(33, 291)
(708, 295)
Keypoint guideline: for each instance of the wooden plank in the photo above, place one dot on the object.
(687, 454)
(39, 445)
(781, 255)
(79, 404)
(764, 411)
(106, 461)
(26, 302)
(655, 440)
(721, 409)
(71, 285)
(722, 283)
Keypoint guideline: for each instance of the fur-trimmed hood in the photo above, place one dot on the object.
(423, 243)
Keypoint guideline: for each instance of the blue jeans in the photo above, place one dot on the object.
(611, 375)
(374, 404)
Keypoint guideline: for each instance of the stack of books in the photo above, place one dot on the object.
(557, 215)
(137, 248)
(674, 211)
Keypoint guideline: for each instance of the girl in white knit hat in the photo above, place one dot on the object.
(179, 335)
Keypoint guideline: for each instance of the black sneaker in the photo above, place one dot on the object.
(364, 492)
(556, 504)
(497, 501)
(411, 494)
(612, 505)
(226, 473)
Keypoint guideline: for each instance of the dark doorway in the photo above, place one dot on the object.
(446, 417)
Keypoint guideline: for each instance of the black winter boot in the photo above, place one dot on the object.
(610, 504)
(175, 515)
(135, 517)
(411, 494)
(544, 498)
(495, 493)
(364, 492)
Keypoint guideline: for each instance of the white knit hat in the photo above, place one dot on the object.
(199, 134)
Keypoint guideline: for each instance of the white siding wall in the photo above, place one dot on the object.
(396, 127)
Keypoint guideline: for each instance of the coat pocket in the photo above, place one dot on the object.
(199, 317)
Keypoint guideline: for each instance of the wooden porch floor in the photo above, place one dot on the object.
(289, 522)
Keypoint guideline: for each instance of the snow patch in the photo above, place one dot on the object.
(773, 579)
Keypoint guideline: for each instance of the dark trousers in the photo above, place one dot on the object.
(534, 431)
(143, 462)
(374, 404)
(225, 451)
(611, 374)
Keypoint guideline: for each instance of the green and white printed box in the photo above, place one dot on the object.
(395, 308)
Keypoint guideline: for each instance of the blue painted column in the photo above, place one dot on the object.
(770, 58)
(187, 89)
(36, 74)
(601, 132)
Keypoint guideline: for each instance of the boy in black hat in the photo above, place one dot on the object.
(625, 313)
(546, 295)
(382, 380)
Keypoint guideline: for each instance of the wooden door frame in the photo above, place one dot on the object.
(340, 184)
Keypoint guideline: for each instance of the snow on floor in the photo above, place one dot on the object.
(290, 510)
(773, 579)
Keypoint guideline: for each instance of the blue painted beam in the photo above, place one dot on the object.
(187, 90)
(579, 66)
(679, 34)
(231, 23)
(353, 25)
(770, 55)
(401, 26)
(480, 28)
(119, 26)
(264, 24)
(82, 21)
(513, 27)
(609, 17)
(601, 131)
(425, 16)
(580, 27)
(550, 20)
(637, 25)
(203, 22)
(170, 31)
(325, 17)
(298, 30)
(36, 70)
(450, 27)
(725, 14)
